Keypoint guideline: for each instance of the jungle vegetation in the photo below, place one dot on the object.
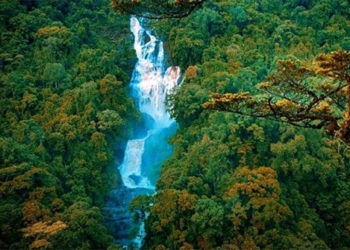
(234, 181)
(64, 68)
(261, 158)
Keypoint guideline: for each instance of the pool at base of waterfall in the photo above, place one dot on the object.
(118, 219)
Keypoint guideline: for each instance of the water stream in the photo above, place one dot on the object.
(150, 84)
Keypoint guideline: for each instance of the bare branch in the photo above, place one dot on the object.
(157, 9)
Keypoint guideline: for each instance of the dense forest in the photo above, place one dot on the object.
(65, 114)
(237, 182)
(233, 182)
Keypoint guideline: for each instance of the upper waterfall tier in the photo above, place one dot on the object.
(151, 83)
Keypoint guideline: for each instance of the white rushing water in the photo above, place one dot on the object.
(150, 83)
(131, 167)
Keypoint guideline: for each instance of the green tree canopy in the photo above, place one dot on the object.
(311, 96)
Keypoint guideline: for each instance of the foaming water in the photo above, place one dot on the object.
(150, 84)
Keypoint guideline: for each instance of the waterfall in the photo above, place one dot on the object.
(130, 169)
(150, 84)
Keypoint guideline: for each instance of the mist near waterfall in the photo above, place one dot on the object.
(151, 83)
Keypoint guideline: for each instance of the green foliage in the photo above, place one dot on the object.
(85, 229)
(63, 106)
(253, 183)
(54, 73)
(311, 97)
(232, 182)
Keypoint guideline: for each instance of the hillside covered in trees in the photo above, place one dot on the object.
(233, 182)
(65, 114)
(237, 182)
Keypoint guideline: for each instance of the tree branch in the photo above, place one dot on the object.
(297, 100)
(157, 9)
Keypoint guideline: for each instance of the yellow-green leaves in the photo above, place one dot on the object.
(308, 96)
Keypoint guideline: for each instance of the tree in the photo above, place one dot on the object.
(41, 232)
(187, 45)
(84, 229)
(257, 211)
(207, 222)
(311, 96)
(321, 165)
(168, 221)
(54, 74)
(157, 9)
